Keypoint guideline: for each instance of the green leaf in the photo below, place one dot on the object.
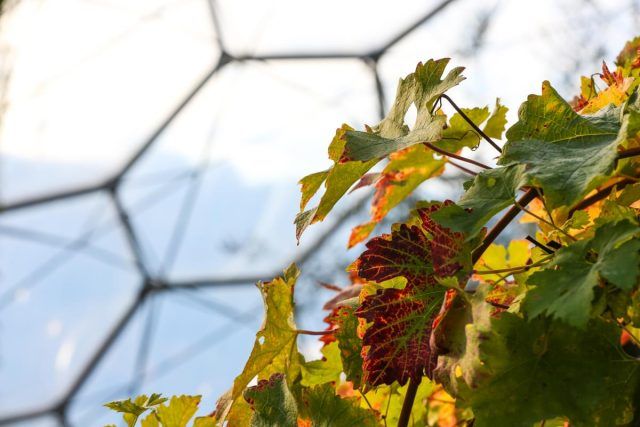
(204, 422)
(566, 171)
(130, 410)
(565, 153)
(459, 133)
(325, 409)
(272, 403)
(490, 192)
(349, 343)
(354, 152)
(366, 146)
(150, 421)
(548, 117)
(310, 185)
(539, 371)
(565, 288)
(325, 370)
(275, 349)
(178, 412)
(516, 373)
(496, 124)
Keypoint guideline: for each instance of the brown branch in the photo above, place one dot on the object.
(502, 224)
(631, 152)
(455, 156)
(599, 195)
(462, 168)
(407, 405)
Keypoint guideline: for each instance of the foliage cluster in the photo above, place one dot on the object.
(440, 326)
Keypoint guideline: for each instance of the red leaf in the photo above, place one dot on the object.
(405, 252)
(396, 343)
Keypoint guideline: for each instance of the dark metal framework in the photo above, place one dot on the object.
(150, 283)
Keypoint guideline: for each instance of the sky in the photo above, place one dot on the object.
(87, 82)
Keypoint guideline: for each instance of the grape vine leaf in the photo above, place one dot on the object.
(565, 288)
(565, 153)
(459, 133)
(406, 170)
(178, 411)
(131, 410)
(490, 192)
(327, 369)
(548, 117)
(409, 168)
(514, 372)
(354, 152)
(345, 323)
(396, 344)
(566, 171)
(275, 404)
(324, 409)
(275, 349)
(272, 403)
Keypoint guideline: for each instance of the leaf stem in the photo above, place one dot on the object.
(473, 125)
(455, 156)
(306, 332)
(526, 198)
(514, 269)
(631, 152)
(539, 218)
(409, 398)
(599, 195)
(540, 245)
(462, 168)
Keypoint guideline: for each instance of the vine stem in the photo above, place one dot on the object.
(539, 218)
(462, 168)
(407, 405)
(514, 269)
(540, 245)
(306, 332)
(526, 198)
(631, 152)
(599, 195)
(473, 125)
(455, 156)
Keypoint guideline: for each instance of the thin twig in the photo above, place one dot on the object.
(306, 332)
(539, 218)
(498, 305)
(502, 224)
(514, 269)
(540, 245)
(471, 123)
(462, 168)
(599, 195)
(455, 156)
(631, 152)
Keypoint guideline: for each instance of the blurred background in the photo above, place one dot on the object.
(149, 158)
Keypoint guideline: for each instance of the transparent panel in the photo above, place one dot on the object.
(61, 293)
(356, 26)
(220, 219)
(84, 95)
(37, 422)
(193, 341)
